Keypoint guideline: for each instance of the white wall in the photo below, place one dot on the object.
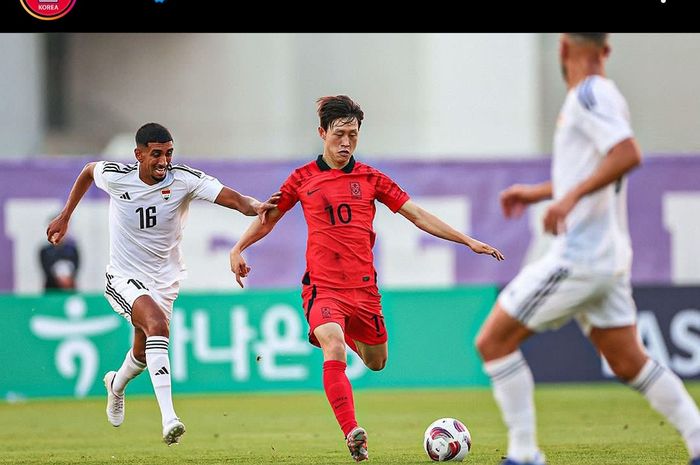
(21, 95)
(253, 95)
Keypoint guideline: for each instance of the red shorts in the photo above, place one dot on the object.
(358, 311)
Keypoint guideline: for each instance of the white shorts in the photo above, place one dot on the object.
(548, 293)
(121, 293)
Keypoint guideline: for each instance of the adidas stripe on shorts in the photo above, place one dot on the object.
(549, 292)
(121, 293)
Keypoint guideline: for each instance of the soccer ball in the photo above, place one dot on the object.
(447, 439)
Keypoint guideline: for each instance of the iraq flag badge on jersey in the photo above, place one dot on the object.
(165, 193)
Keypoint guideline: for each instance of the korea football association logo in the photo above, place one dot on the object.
(48, 9)
(355, 190)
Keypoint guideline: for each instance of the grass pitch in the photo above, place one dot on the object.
(601, 424)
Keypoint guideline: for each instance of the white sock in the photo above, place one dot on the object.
(159, 368)
(513, 389)
(667, 395)
(129, 370)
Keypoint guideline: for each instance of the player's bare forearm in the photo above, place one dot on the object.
(621, 159)
(245, 204)
(530, 193)
(257, 230)
(59, 226)
(517, 197)
(237, 201)
(433, 225)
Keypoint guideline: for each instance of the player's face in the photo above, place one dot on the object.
(154, 160)
(339, 141)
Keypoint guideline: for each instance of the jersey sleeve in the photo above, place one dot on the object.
(603, 114)
(106, 175)
(290, 194)
(204, 186)
(389, 193)
(99, 177)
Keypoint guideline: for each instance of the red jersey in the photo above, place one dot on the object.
(339, 210)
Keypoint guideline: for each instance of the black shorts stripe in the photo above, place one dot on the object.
(525, 312)
(118, 298)
(137, 284)
(311, 302)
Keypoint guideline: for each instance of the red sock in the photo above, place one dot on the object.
(339, 394)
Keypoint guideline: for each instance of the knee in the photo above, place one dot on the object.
(376, 364)
(484, 345)
(334, 349)
(625, 369)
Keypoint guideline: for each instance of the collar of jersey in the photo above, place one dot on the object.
(323, 166)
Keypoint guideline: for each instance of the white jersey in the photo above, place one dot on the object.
(593, 119)
(146, 222)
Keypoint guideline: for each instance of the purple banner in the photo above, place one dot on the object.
(657, 226)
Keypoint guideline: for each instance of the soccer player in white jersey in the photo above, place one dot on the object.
(148, 205)
(586, 273)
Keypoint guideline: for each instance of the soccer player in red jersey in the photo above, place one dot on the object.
(341, 300)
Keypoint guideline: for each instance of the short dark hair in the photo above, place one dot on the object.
(152, 132)
(599, 39)
(338, 107)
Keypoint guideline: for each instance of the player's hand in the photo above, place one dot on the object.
(481, 248)
(238, 266)
(555, 216)
(266, 206)
(514, 200)
(57, 229)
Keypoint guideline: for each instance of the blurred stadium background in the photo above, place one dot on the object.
(453, 118)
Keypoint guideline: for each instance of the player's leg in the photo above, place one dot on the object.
(539, 298)
(337, 386)
(374, 356)
(498, 343)
(326, 314)
(116, 381)
(365, 328)
(134, 363)
(663, 389)
(121, 296)
(151, 313)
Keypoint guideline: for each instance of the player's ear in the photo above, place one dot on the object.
(322, 133)
(138, 154)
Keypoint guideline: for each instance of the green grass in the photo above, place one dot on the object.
(601, 424)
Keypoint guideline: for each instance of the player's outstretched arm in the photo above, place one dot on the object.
(438, 228)
(621, 159)
(59, 225)
(256, 231)
(247, 205)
